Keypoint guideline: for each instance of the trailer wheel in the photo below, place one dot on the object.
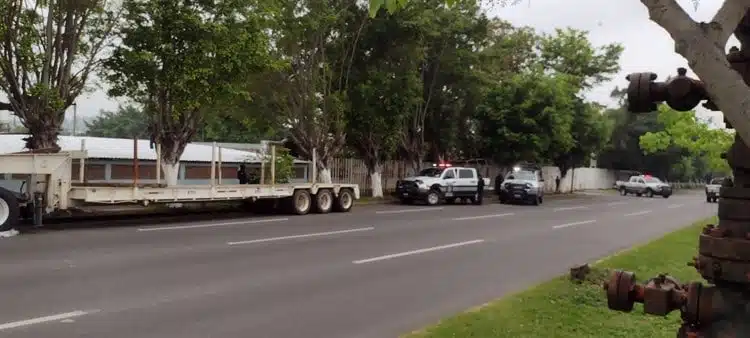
(9, 210)
(323, 201)
(301, 202)
(345, 201)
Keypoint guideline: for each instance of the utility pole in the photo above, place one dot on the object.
(722, 307)
(75, 117)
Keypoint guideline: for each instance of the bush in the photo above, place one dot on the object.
(284, 168)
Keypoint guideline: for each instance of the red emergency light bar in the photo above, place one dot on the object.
(442, 165)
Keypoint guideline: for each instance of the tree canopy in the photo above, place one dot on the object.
(428, 82)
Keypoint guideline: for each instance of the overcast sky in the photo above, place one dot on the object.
(647, 46)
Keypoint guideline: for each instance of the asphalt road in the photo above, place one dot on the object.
(378, 271)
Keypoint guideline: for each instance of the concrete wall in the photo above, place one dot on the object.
(583, 179)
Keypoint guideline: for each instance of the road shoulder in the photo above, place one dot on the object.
(561, 308)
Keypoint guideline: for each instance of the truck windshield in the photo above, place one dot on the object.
(431, 172)
(523, 175)
(717, 181)
(652, 180)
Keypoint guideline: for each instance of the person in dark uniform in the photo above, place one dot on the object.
(557, 184)
(498, 183)
(480, 187)
(242, 174)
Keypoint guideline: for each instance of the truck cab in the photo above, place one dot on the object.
(645, 185)
(442, 182)
(713, 188)
(525, 183)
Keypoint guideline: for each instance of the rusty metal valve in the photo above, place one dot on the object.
(659, 296)
(681, 92)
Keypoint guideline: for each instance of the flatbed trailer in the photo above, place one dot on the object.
(50, 188)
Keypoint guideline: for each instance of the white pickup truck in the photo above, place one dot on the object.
(714, 187)
(644, 185)
(442, 183)
(712, 190)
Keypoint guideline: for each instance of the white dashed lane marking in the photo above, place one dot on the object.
(638, 213)
(567, 225)
(418, 251)
(482, 217)
(316, 234)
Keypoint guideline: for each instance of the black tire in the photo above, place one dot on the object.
(665, 196)
(324, 201)
(10, 212)
(344, 201)
(535, 200)
(433, 197)
(623, 192)
(649, 193)
(301, 202)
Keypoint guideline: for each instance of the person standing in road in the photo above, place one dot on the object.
(480, 188)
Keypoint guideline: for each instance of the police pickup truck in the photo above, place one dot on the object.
(644, 185)
(524, 184)
(442, 182)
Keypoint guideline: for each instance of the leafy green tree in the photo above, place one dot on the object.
(181, 58)
(126, 122)
(385, 86)
(235, 127)
(569, 51)
(523, 118)
(308, 96)
(50, 48)
(684, 130)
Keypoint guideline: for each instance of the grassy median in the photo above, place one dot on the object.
(562, 308)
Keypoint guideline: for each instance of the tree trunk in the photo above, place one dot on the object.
(43, 130)
(324, 175)
(172, 147)
(376, 179)
(171, 172)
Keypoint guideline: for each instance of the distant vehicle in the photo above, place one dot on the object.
(525, 184)
(442, 182)
(713, 188)
(644, 185)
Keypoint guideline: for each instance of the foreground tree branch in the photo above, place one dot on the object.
(725, 86)
(726, 19)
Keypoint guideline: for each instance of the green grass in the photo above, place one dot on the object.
(561, 308)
